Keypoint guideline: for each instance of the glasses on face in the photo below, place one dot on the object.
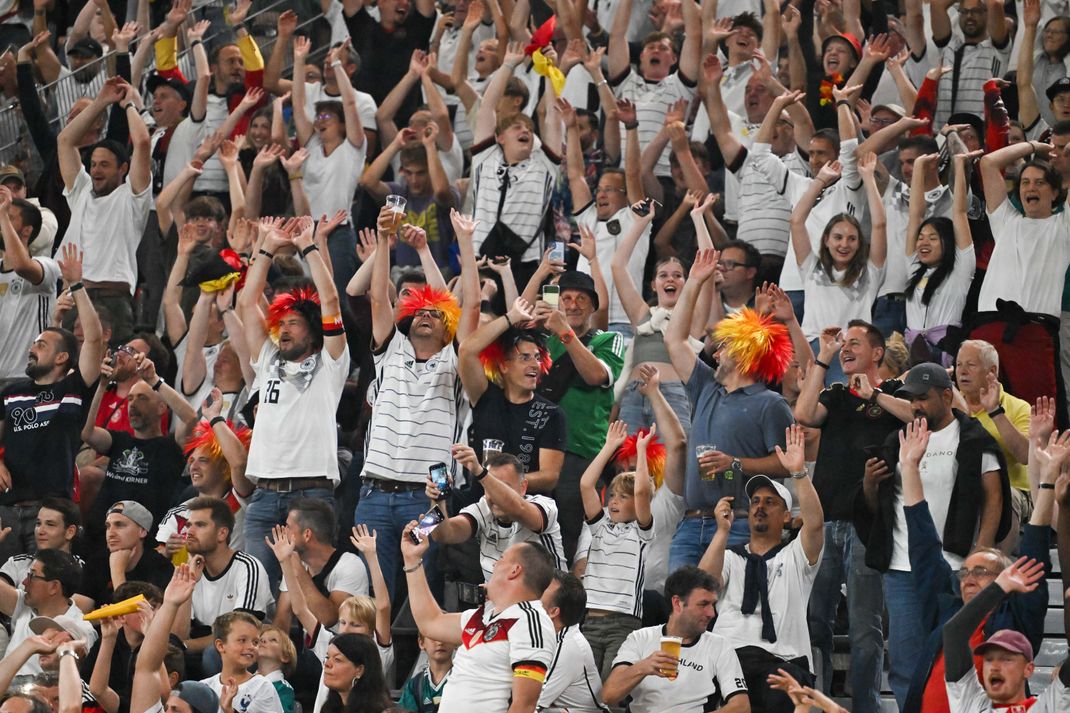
(325, 116)
(976, 573)
(1054, 31)
(432, 313)
(876, 121)
(33, 575)
(730, 264)
(126, 351)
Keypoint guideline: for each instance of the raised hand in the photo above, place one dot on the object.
(794, 457)
(146, 369)
(302, 46)
(847, 93)
(721, 30)
(707, 202)
(588, 245)
(1023, 576)
(514, 55)
(1042, 420)
(474, 16)
(464, 226)
(363, 539)
(365, 244)
(712, 71)
(281, 542)
(790, 21)
(642, 440)
(677, 112)
(1053, 455)
(626, 111)
(567, 111)
(913, 440)
(268, 155)
(286, 25)
(705, 265)
(213, 405)
(830, 172)
(228, 153)
(649, 379)
(522, 311)
(878, 49)
(122, 37)
(592, 62)
(616, 435)
(183, 581)
(70, 265)
(724, 513)
(240, 11)
(294, 161)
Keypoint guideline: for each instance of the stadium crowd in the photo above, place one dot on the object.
(517, 355)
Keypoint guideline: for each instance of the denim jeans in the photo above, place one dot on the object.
(835, 371)
(798, 302)
(693, 536)
(22, 519)
(844, 559)
(388, 514)
(636, 411)
(906, 634)
(625, 329)
(265, 509)
(342, 245)
(890, 315)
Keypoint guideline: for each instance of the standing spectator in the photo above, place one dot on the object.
(294, 448)
(852, 417)
(734, 411)
(777, 636)
(127, 525)
(572, 681)
(705, 674)
(40, 443)
(109, 206)
(27, 283)
(508, 642)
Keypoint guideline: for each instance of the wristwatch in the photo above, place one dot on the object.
(737, 466)
(801, 474)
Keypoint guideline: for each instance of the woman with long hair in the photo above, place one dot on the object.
(840, 279)
(942, 262)
(353, 675)
(649, 322)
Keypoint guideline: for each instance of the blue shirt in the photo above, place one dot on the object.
(745, 423)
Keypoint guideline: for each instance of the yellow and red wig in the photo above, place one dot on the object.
(655, 455)
(498, 351)
(303, 300)
(758, 344)
(427, 297)
(204, 436)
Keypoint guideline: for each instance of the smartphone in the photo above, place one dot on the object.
(557, 251)
(440, 477)
(551, 294)
(428, 522)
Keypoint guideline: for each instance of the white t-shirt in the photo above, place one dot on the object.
(21, 616)
(243, 585)
(25, 310)
(1028, 264)
(349, 575)
(668, 510)
(830, 303)
(495, 648)
(616, 562)
(108, 228)
(791, 577)
(495, 538)
(652, 102)
(257, 695)
(573, 684)
(366, 106)
(330, 181)
(709, 673)
(607, 235)
(744, 131)
(296, 435)
(939, 470)
(949, 300)
(967, 696)
(897, 209)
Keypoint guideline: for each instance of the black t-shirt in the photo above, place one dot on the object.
(525, 428)
(851, 425)
(153, 568)
(42, 434)
(385, 55)
(146, 470)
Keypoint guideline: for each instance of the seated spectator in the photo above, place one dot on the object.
(504, 516)
(46, 592)
(776, 637)
(127, 525)
(353, 674)
(59, 522)
(276, 658)
(237, 638)
(423, 692)
(233, 580)
(572, 682)
(705, 673)
(50, 633)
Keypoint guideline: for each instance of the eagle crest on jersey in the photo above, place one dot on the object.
(479, 633)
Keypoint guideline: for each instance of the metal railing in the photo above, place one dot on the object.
(17, 148)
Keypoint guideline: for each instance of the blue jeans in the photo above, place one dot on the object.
(625, 329)
(906, 634)
(844, 558)
(693, 536)
(342, 245)
(890, 315)
(388, 514)
(265, 510)
(835, 371)
(798, 302)
(636, 411)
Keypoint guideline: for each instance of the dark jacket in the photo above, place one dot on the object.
(938, 600)
(877, 529)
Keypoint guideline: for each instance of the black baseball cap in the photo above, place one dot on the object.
(86, 47)
(1060, 85)
(923, 377)
(157, 80)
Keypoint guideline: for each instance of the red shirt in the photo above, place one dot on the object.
(934, 700)
(112, 414)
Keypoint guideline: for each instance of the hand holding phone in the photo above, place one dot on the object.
(440, 477)
(427, 524)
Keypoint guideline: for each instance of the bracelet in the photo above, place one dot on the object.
(310, 248)
(157, 385)
(604, 81)
(567, 337)
(843, 102)
(409, 570)
(997, 411)
(217, 419)
(195, 43)
(224, 312)
(77, 286)
(507, 320)
(800, 474)
(266, 253)
(821, 364)
(482, 474)
(72, 654)
(126, 107)
(336, 63)
(1047, 486)
(297, 177)
(631, 125)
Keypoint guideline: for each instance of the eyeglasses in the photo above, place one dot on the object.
(523, 357)
(34, 575)
(976, 573)
(1054, 31)
(324, 116)
(126, 350)
(881, 122)
(432, 313)
(730, 264)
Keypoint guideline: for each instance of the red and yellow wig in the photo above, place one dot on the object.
(303, 300)
(204, 436)
(758, 344)
(655, 455)
(427, 297)
(497, 352)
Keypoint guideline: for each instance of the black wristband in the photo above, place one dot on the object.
(842, 102)
(77, 286)
(1047, 486)
(997, 411)
(507, 320)
(821, 364)
(266, 253)
(310, 248)
(632, 125)
(482, 475)
(217, 419)
(157, 385)
(195, 43)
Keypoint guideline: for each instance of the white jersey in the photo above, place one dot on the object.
(607, 236)
(25, 311)
(296, 435)
(709, 674)
(616, 563)
(366, 106)
(967, 696)
(108, 228)
(176, 521)
(573, 684)
(652, 102)
(791, 577)
(257, 695)
(17, 567)
(419, 411)
(496, 648)
(495, 538)
(242, 586)
(330, 180)
(348, 574)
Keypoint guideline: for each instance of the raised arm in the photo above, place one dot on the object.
(255, 326)
(918, 205)
(959, 216)
(1028, 105)
(145, 691)
(878, 238)
(16, 255)
(486, 116)
(993, 164)
(354, 129)
(713, 558)
(793, 459)
(302, 121)
(575, 169)
(285, 28)
(691, 51)
(940, 24)
(800, 236)
(619, 54)
(233, 450)
(92, 351)
(364, 541)
(429, 618)
(382, 310)
(70, 160)
(677, 332)
(592, 500)
(631, 298)
(334, 338)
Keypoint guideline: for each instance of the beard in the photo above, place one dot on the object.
(35, 370)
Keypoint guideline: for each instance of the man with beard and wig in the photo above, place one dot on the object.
(301, 370)
(42, 416)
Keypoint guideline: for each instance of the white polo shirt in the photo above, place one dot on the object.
(573, 684)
